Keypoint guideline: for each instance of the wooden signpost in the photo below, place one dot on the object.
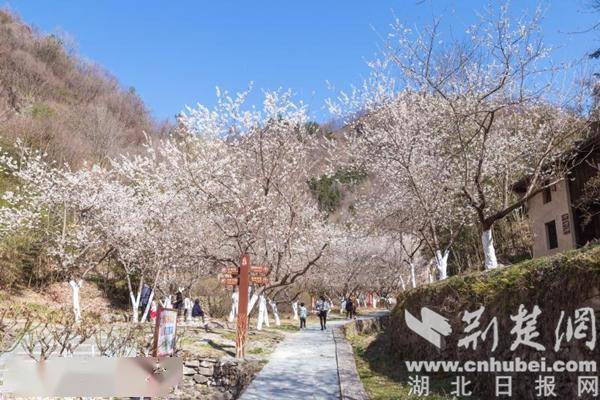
(242, 317)
(242, 277)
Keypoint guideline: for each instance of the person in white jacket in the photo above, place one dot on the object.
(187, 309)
(323, 306)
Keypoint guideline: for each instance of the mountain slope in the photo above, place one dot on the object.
(52, 100)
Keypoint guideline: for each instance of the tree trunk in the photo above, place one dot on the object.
(266, 313)
(135, 299)
(402, 283)
(252, 302)
(262, 308)
(75, 286)
(488, 249)
(234, 306)
(188, 311)
(295, 310)
(135, 305)
(441, 261)
(275, 313)
(147, 309)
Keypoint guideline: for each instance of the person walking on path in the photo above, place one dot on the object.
(303, 316)
(187, 309)
(323, 308)
(179, 303)
(349, 309)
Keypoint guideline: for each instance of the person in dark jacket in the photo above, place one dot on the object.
(349, 308)
(197, 310)
(145, 299)
(179, 303)
(323, 306)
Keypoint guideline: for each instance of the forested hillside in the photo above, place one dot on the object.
(53, 100)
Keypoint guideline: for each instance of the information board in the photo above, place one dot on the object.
(164, 332)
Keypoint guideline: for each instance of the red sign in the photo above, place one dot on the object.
(259, 280)
(259, 269)
(229, 281)
(164, 332)
(229, 271)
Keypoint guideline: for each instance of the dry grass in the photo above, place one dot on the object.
(56, 296)
(53, 100)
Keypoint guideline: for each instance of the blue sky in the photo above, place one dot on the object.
(175, 53)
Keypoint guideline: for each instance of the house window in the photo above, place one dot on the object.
(547, 195)
(551, 235)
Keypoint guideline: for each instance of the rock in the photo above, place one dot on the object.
(200, 378)
(192, 363)
(206, 363)
(206, 371)
(222, 396)
(188, 371)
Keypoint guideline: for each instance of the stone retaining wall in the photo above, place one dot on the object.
(367, 326)
(227, 377)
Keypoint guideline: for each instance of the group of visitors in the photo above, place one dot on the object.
(322, 308)
(187, 310)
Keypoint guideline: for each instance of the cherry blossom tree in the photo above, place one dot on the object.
(53, 204)
(155, 245)
(358, 262)
(458, 123)
(259, 188)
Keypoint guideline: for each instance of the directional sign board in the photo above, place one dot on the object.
(259, 280)
(229, 281)
(229, 270)
(259, 269)
(229, 275)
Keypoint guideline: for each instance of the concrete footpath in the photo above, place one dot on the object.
(305, 366)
